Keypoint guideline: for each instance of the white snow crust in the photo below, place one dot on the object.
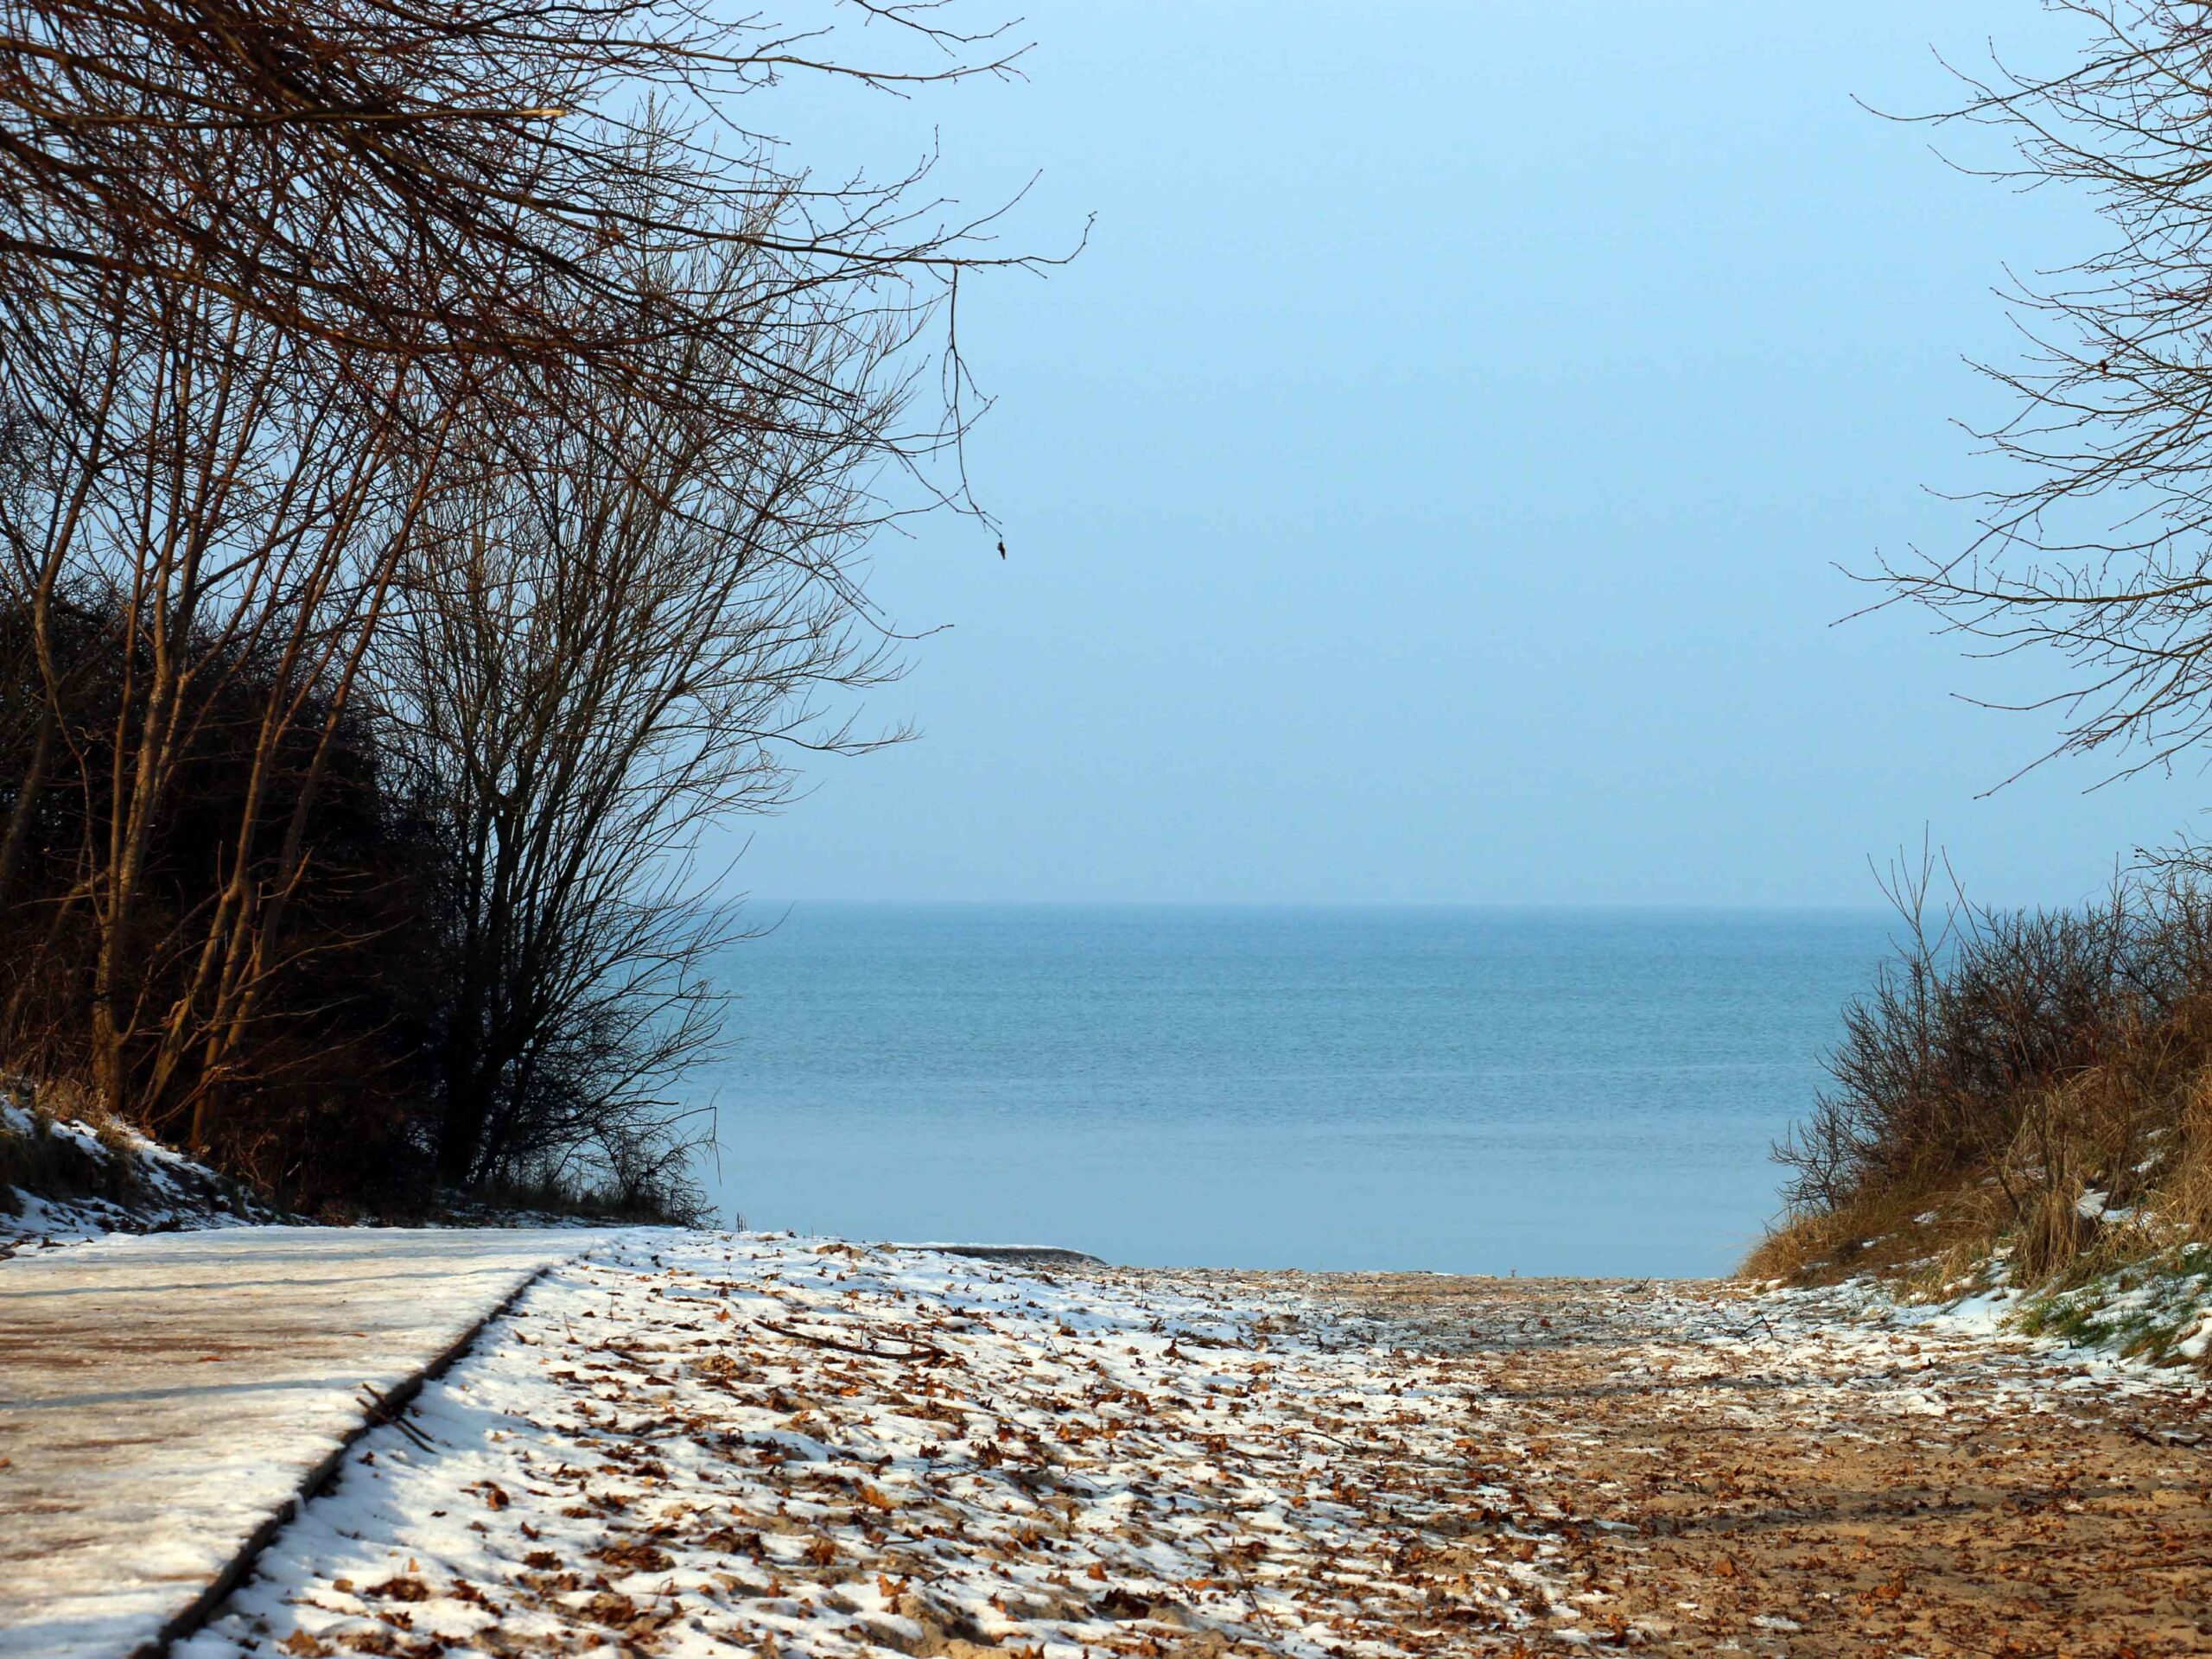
(173, 1191)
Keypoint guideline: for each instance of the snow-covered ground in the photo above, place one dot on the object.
(697, 1442)
(2149, 1314)
(815, 1448)
(684, 1442)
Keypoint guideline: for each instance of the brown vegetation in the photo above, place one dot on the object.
(2036, 1081)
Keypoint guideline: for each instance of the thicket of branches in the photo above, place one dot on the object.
(2097, 549)
(435, 451)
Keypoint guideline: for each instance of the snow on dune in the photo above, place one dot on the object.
(117, 1181)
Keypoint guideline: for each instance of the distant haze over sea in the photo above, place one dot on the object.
(1469, 1090)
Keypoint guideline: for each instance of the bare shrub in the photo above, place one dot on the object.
(2006, 1066)
(616, 640)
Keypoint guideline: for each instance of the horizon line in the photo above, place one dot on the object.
(764, 900)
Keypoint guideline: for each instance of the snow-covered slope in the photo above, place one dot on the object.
(63, 1181)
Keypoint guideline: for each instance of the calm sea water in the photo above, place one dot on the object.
(1470, 1090)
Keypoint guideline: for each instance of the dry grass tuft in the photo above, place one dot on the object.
(1819, 1247)
(2184, 1201)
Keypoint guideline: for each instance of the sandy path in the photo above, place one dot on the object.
(162, 1398)
(1720, 1470)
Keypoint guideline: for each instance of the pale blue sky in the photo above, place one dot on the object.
(1427, 488)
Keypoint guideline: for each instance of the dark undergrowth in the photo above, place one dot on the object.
(339, 1098)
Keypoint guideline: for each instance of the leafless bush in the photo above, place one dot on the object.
(2008, 1064)
(615, 641)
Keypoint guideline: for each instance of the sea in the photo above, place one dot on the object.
(1463, 1091)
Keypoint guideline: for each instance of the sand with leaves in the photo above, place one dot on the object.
(695, 1444)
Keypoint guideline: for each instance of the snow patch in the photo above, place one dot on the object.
(100, 1181)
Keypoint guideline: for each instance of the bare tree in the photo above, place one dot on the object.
(299, 299)
(615, 641)
(431, 179)
(2099, 548)
(189, 488)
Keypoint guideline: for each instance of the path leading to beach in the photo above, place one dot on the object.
(163, 1398)
(684, 1447)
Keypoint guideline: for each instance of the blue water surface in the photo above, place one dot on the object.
(1468, 1090)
